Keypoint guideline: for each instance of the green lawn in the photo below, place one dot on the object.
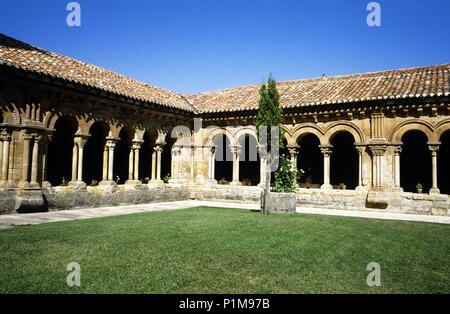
(209, 250)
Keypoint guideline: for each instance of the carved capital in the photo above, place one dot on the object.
(326, 150)
(158, 148)
(4, 135)
(293, 150)
(397, 150)
(434, 148)
(378, 150)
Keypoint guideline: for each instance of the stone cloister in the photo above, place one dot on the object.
(75, 135)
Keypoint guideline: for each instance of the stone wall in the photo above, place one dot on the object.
(60, 198)
(68, 197)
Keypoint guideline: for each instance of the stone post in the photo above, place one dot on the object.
(25, 160)
(6, 139)
(397, 151)
(293, 152)
(35, 161)
(1, 157)
(105, 163)
(74, 161)
(81, 141)
(235, 151)
(154, 164)
(111, 145)
(136, 148)
(46, 141)
(326, 150)
(130, 163)
(263, 157)
(360, 149)
(434, 147)
(377, 151)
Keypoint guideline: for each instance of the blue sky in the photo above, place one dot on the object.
(201, 45)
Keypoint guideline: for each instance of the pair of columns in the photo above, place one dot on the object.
(5, 140)
(77, 159)
(31, 144)
(133, 162)
(156, 163)
(326, 151)
(434, 148)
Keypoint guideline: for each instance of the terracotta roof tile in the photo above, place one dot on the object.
(392, 84)
(29, 58)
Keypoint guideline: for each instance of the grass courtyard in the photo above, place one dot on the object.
(211, 250)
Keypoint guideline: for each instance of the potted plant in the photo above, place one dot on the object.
(342, 186)
(94, 183)
(419, 188)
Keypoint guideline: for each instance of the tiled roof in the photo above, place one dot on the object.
(393, 84)
(26, 57)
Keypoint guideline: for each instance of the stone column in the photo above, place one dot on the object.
(154, 164)
(397, 151)
(293, 152)
(105, 163)
(25, 160)
(136, 147)
(360, 150)
(46, 142)
(35, 161)
(81, 141)
(6, 139)
(326, 150)
(111, 145)
(1, 157)
(377, 151)
(74, 162)
(263, 157)
(159, 149)
(434, 147)
(235, 151)
(130, 163)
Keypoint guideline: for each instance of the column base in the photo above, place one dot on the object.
(23, 184)
(46, 185)
(235, 183)
(434, 191)
(133, 182)
(326, 187)
(361, 188)
(7, 184)
(156, 183)
(34, 185)
(107, 183)
(77, 184)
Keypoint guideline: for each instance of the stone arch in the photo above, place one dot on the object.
(412, 125)
(216, 131)
(11, 114)
(338, 127)
(440, 128)
(245, 131)
(305, 129)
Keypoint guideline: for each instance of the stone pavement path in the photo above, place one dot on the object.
(8, 221)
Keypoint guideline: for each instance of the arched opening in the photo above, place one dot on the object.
(344, 161)
(145, 157)
(444, 164)
(93, 152)
(59, 163)
(166, 159)
(310, 160)
(249, 163)
(415, 162)
(122, 155)
(223, 159)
